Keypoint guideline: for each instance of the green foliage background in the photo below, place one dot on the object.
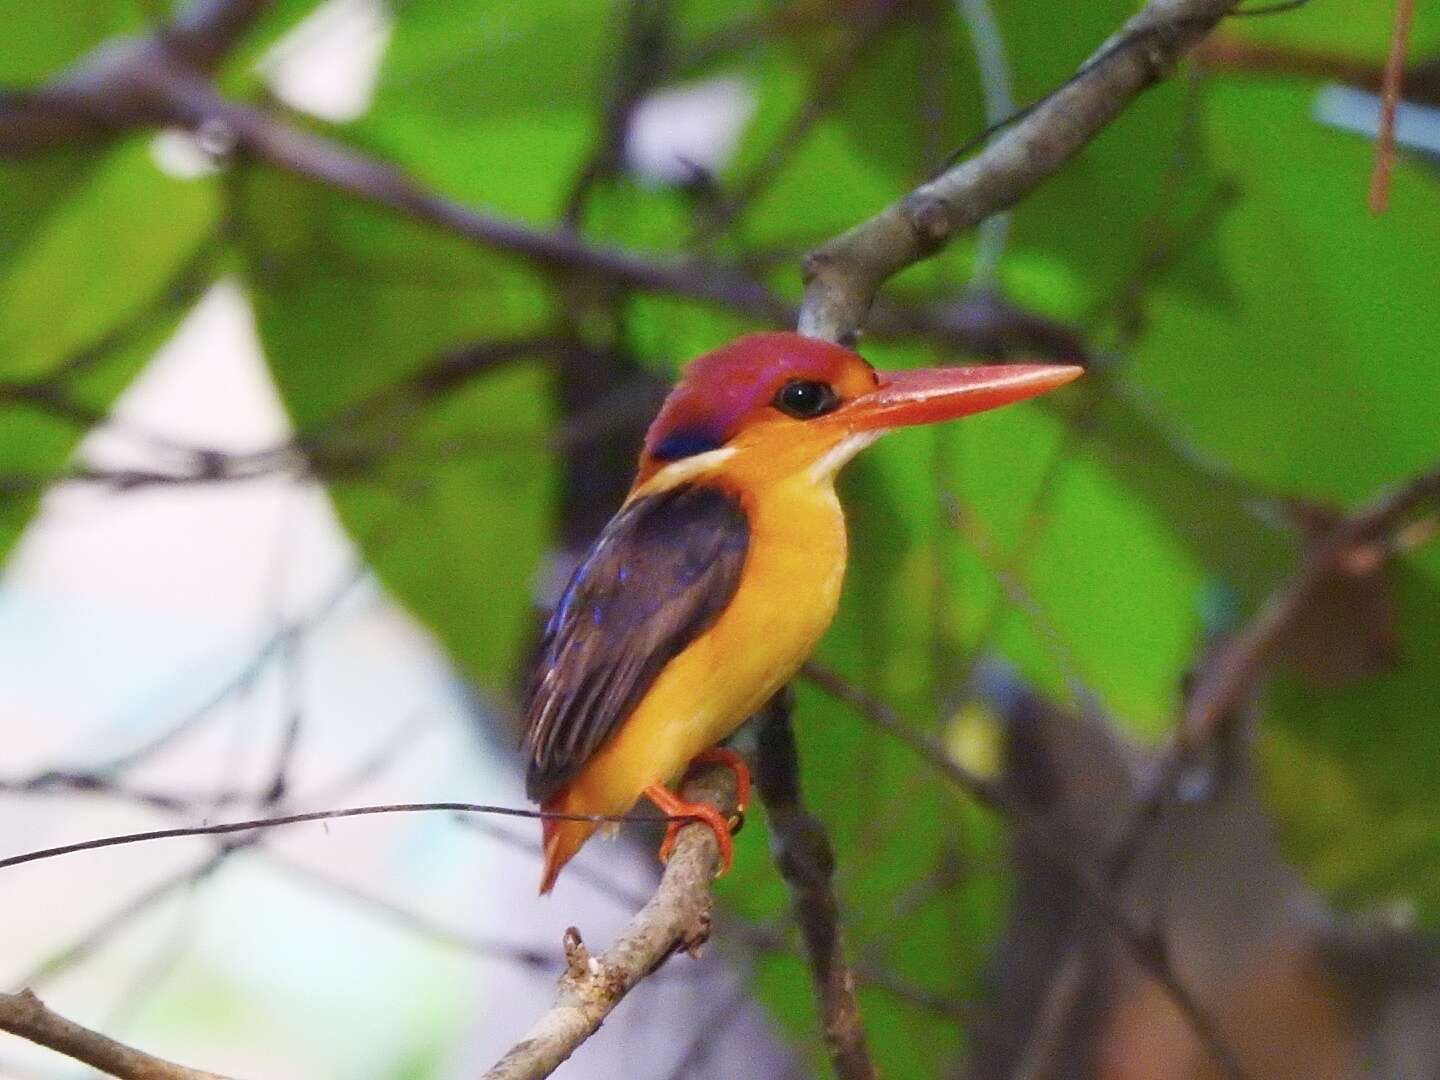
(1286, 349)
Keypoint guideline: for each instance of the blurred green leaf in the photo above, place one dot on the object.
(459, 60)
(103, 251)
(41, 38)
(36, 442)
(449, 500)
(102, 255)
(1358, 29)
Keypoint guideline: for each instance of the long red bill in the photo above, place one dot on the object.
(926, 395)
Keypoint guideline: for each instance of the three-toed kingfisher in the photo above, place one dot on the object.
(717, 576)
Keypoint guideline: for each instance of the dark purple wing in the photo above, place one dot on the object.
(661, 572)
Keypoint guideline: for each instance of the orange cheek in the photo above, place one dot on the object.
(778, 449)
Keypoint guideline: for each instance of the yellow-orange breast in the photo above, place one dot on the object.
(788, 590)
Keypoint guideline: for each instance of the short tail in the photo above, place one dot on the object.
(560, 839)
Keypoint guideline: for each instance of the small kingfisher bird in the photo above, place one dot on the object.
(716, 578)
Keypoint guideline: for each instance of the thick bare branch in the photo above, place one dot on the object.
(25, 1015)
(807, 863)
(843, 276)
(676, 917)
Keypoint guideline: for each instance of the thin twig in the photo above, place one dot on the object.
(316, 815)
(677, 917)
(930, 749)
(1389, 102)
(806, 861)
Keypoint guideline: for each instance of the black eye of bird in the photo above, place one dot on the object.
(805, 400)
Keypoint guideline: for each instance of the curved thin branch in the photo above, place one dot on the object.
(843, 276)
(25, 1015)
(677, 917)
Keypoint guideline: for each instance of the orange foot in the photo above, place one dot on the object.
(673, 806)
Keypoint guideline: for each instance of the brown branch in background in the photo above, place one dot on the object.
(1233, 675)
(144, 82)
(206, 31)
(984, 322)
(25, 1015)
(1226, 681)
(1389, 102)
(677, 917)
(1226, 53)
(640, 65)
(806, 861)
(193, 103)
(106, 93)
(843, 276)
(1146, 946)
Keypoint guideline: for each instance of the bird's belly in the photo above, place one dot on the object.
(786, 598)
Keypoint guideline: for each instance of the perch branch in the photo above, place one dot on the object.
(807, 863)
(676, 917)
(843, 276)
(25, 1015)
